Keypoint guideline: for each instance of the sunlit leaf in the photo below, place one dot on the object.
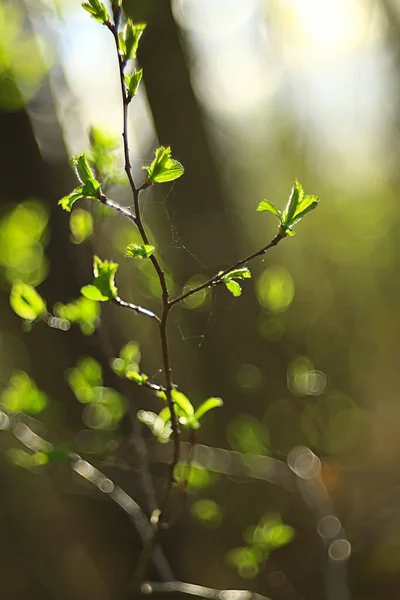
(183, 403)
(132, 82)
(241, 273)
(103, 287)
(69, 200)
(266, 205)
(233, 287)
(164, 168)
(296, 196)
(26, 302)
(142, 251)
(97, 10)
(131, 35)
(207, 405)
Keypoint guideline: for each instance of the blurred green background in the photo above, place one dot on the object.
(249, 95)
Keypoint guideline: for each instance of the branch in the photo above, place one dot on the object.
(141, 311)
(115, 206)
(218, 278)
(200, 591)
(36, 443)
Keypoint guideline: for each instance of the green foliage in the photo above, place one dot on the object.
(22, 395)
(297, 207)
(103, 287)
(103, 156)
(132, 82)
(23, 459)
(142, 251)
(206, 406)
(90, 187)
(26, 302)
(81, 225)
(105, 407)
(23, 238)
(83, 312)
(270, 533)
(230, 283)
(97, 10)
(164, 168)
(129, 39)
(207, 512)
(159, 425)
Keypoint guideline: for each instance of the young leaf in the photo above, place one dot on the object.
(266, 205)
(233, 287)
(241, 273)
(164, 168)
(97, 10)
(139, 378)
(183, 403)
(207, 406)
(131, 36)
(307, 204)
(69, 200)
(295, 198)
(143, 251)
(103, 287)
(82, 168)
(26, 302)
(132, 82)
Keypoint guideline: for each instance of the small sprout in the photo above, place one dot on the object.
(90, 187)
(103, 287)
(164, 168)
(139, 251)
(129, 39)
(233, 286)
(297, 207)
(97, 10)
(132, 83)
(207, 405)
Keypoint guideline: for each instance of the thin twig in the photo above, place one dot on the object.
(163, 322)
(219, 276)
(191, 589)
(139, 309)
(115, 206)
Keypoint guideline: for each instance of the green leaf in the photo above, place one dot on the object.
(103, 287)
(132, 82)
(207, 405)
(97, 10)
(266, 205)
(307, 204)
(69, 200)
(139, 378)
(26, 302)
(82, 168)
(233, 287)
(131, 35)
(242, 273)
(22, 395)
(296, 196)
(143, 251)
(183, 403)
(82, 311)
(164, 168)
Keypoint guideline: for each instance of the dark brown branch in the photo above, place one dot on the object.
(218, 278)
